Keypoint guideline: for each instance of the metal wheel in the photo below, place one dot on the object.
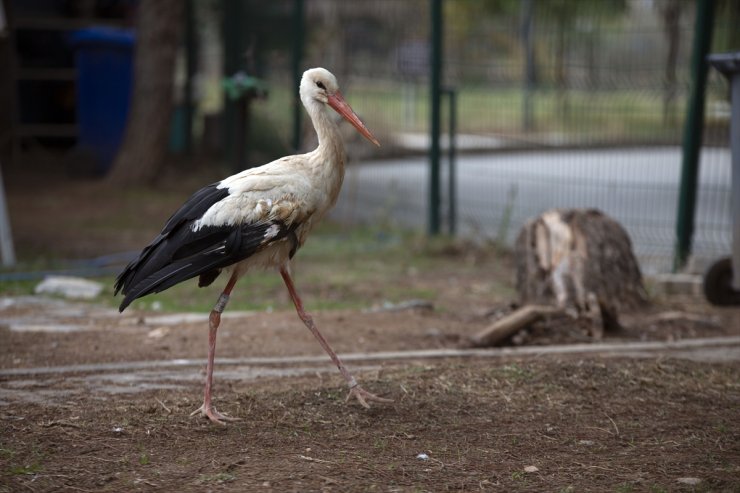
(718, 284)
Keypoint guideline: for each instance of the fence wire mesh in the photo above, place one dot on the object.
(560, 104)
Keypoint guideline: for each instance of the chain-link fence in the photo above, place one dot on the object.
(560, 104)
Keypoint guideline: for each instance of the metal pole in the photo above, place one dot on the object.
(735, 143)
(435, 91)
(729, 65)
(693, 128)
(298, 35)
(452, 178)
(6, 237)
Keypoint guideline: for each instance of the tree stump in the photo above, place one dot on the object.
(575, 263)
(579, 260)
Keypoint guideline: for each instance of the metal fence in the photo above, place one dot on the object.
(560, 104)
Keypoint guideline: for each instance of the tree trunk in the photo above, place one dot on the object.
(579, 260)
(561, 78)
(670, 11)
(144, 147)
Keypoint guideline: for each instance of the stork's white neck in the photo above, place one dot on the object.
(327, 160)
(331, 146)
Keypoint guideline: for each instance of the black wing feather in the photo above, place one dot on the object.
(191, 210)
(178, 253)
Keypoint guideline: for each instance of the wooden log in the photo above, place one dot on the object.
(513, 323)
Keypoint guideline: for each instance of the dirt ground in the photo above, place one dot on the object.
(657, 422)
(586, 423)
(539, 425)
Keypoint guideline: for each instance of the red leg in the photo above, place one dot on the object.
(214, 320)
(355, 390)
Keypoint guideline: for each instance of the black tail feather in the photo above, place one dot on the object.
(183, 254)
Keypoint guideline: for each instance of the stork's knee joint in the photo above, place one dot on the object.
(221, 303)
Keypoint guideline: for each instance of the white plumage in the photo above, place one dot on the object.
(257, 218)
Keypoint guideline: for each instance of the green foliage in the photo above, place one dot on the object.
(624, 488)
(568, 12)
(26, 469)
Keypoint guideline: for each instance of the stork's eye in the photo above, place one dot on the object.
(321, 85)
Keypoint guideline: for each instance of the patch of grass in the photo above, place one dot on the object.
(624, 488)
(17, 287)
(518, 475)
(332, 271)
(654, 488)
(380, 444)
(144, 459)
(515, 372)
(615, 115)
(25, 469)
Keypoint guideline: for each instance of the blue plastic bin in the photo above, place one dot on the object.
(104, 58)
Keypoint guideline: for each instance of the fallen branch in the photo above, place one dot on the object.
(169, 411)
(513, 323)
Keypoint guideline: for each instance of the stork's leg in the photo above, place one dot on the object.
(355, 390)
(207, 409)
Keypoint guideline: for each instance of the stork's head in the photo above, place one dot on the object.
(320, 85)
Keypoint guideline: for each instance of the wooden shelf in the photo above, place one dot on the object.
(27, 21)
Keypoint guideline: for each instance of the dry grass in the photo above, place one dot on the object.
(586, 425)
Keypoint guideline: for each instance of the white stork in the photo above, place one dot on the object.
(257, 218)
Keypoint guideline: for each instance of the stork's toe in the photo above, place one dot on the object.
(363, 396)
(211, 413)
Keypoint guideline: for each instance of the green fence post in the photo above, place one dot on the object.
(693, 128)
(452, 157)
(435, 91)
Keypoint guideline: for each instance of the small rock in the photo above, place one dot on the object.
(689, 481)
(433, 332)
(531, 469)
(422, 456)
(158, 333)
(586, 443)
(69, 287)
(402, 306)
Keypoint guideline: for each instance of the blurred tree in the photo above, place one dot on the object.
(670, 14)
(563, 15)
(727, 38)
(144, 147)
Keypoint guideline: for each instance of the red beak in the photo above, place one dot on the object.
(338, 104)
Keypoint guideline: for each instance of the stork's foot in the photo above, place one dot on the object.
(363, 396)
(208, 411)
